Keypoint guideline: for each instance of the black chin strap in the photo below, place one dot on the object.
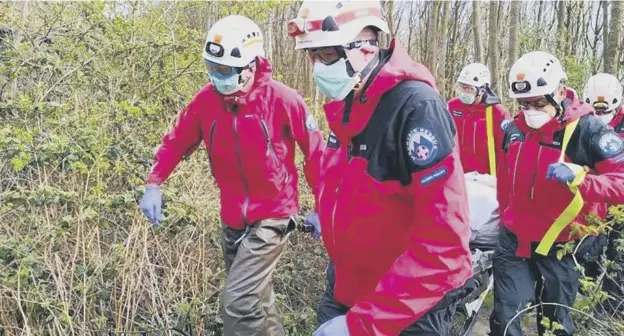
(373, 65)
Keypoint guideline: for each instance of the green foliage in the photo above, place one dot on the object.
(80, 118)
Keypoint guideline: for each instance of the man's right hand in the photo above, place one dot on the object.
(151, 204)
(312, 222)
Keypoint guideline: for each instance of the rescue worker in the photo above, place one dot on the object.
(549, 148)
(250, 125)
(392, 197)
(604, 92)
(478, 112)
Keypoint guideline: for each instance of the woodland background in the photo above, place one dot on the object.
(87, 89)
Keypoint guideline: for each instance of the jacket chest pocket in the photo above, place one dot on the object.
(541, 188)
(479, 137)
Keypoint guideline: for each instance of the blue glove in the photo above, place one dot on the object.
(334, 327)
(562, 172)
(313, 221)
(151, 204)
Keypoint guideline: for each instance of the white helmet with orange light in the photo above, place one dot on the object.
(234, 41)
(333, 23)
(535, 74)
(604, 92)
(475, 74)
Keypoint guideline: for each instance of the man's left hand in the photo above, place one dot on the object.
(562, 172)
(334, 327)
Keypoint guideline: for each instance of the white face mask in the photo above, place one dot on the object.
(605, 118)
(536, 119)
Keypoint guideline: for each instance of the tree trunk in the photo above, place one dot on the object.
(493, 42)
(433, 37)
(561, 29)
(615, 28)
(605, 34)
(540, 13)
(514, 20)
(441, 70)
(476, 26)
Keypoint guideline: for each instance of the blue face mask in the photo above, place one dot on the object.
(333, 80)
(467, 98)
(225, 84)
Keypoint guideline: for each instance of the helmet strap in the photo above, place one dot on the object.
(558, 106)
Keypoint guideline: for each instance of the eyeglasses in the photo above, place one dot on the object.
(464, 88)
(225, 70)
(330, 55)
(535, 103)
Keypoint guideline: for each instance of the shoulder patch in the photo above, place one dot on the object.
(422, 146)
(504, 124)
(311, 124)
(610, 144)
(332, 141)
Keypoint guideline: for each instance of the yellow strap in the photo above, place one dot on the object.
(573, 209)
(490, 140)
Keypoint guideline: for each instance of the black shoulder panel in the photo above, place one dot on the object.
(511, 133)
(382, 142)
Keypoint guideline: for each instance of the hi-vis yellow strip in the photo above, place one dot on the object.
(490, 140)
(573, 209)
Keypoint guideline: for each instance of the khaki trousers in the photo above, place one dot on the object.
(247, 302)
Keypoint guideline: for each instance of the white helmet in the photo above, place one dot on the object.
(603, 91)
(234, 41)
(475, 74)
(535, 74)
(334, 23)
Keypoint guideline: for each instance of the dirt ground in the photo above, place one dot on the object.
(482, 327)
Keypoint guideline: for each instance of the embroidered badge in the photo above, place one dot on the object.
(311, 123)
(422, 145)
(610, 144)
(504, 124)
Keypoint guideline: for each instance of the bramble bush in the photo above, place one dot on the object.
(89, 89)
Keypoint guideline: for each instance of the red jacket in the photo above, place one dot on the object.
(472, 134)
(535, 202)
(392, 201)
(251, 147)
(617, 123)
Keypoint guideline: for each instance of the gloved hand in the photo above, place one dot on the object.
(563, 172)
(312, 224)
(151, 204)
(334, 327)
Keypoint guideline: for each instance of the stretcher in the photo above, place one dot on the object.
(484, 224)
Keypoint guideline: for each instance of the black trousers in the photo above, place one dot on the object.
(437, 322)
(519, 282)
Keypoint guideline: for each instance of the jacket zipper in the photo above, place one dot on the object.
(240, 167)
(513, 181)
(474, 137)
(213, 127)
(463, 132)
(535, 172)
(270, 150)
(337, 198)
